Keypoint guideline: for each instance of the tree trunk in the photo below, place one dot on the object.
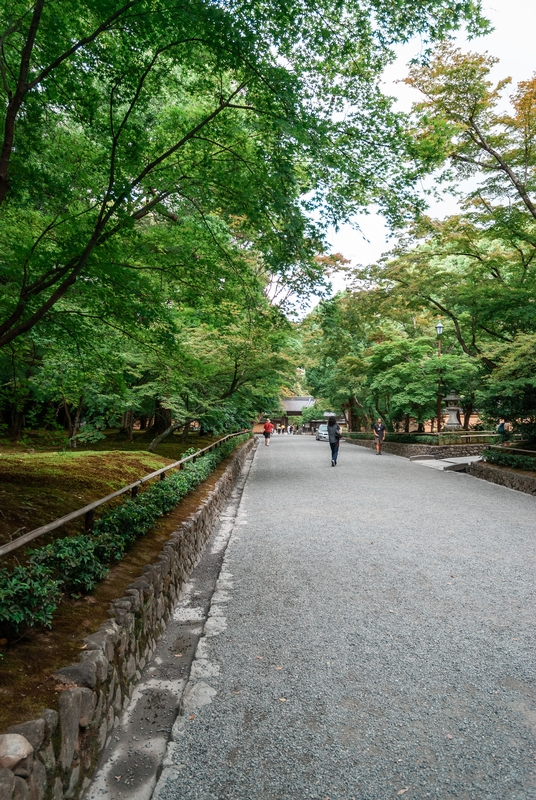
(162, 420)
(467, 411)
(186, 431)
(420, 427)
(17, 425)
(143, 422)
(76, 423)
(68, 418)
(127, 424)
(406, 423)
(161, 436)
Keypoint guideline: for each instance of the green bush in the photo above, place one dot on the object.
(72, 562)
(30, 594)
(28, 597)
(407, 438)
(402, 438)
(504, 459)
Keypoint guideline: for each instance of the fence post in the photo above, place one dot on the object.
(134, 491)
(162, 476)
(89, 520)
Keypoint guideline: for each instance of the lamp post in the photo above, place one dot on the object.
(439, 330)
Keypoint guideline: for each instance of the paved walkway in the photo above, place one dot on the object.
(370, 637)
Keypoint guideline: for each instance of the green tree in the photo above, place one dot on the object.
(122, 120)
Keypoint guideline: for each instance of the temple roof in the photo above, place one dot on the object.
(295, 405)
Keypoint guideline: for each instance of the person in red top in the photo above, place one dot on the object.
(268, 428)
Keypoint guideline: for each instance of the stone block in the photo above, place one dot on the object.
(98, 658)
(46, 755)
(51, 720)
(24, 767)
(118, 699)
(21, 790)
(124, 604)
(101, 739)
(98, 710)
(110, 720)
(122, 645)
(7, 784)
(37, 783)
(104, 639)
(123, 617)
(73, 783)
(33, 731)
(70, 702)
(82, 674)
(14, 748)
(134, 598)
(130, 667)
(88, 701)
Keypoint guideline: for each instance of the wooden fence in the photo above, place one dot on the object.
(89, 511)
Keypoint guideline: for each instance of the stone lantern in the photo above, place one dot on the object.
(452, 403)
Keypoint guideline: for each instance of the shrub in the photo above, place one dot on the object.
(28, 597)
(505, 459)
(72, 562)
(402, 438)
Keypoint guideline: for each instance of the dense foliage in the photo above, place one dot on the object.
(158, 166)
(29, 594)
(476, 271)
(505, 459)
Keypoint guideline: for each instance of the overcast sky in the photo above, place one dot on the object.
(512, 42)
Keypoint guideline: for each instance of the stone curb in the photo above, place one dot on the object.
(503, 477)
(55, 756)
(435, 450)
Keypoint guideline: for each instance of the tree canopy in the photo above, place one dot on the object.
(159, 167)
(475, 270)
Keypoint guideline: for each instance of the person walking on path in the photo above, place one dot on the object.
(379, 434)
(334, 436)
(268, 428)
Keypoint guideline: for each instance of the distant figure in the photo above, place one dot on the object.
(268, 428)
(379, 433)
(334, 436)
(291, 430)
(501, 427)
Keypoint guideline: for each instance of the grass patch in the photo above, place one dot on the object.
(38, 487)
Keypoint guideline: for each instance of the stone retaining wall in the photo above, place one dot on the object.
(438, 451)
(504, 477)
(55, 756)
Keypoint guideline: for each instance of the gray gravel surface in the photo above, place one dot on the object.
(370, 638)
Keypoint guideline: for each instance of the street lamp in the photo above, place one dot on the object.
(439, 330)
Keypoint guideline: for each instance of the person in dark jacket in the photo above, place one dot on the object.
(334, 436)
(379, 435)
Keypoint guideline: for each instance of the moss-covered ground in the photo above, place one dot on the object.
(39, 484)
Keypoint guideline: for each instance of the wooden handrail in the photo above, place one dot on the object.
(506, 449)
(89, 510)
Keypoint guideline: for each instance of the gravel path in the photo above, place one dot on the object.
(370, 637)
